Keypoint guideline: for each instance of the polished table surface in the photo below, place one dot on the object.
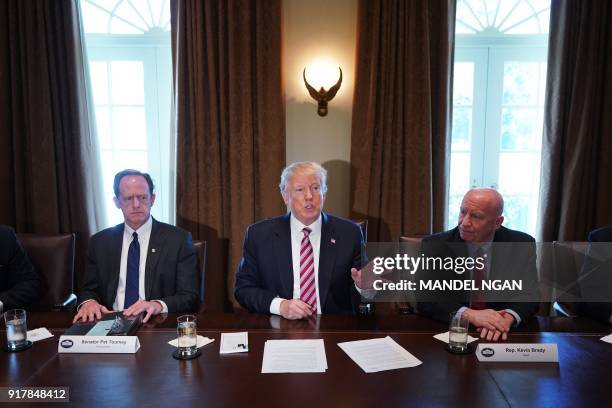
(151, 377)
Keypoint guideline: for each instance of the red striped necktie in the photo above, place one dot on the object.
(308, 291)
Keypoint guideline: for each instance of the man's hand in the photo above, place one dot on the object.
(488, 319)
(152, 308)
(90, 311)
(294, 309)
(495, 335)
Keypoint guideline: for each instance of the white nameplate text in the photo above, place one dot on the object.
(518, 352)
(98, 344)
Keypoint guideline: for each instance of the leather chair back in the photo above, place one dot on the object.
(53, 258)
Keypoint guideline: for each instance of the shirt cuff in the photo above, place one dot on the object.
(83, 302)
(164, 305)
(461, 310)
(517, 318)
(275, 305)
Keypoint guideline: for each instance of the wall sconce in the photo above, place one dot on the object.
(322, 96)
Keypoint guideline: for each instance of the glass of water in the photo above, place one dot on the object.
(187, 335)
(458, 333)
(16, 329)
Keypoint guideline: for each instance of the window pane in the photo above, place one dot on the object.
(127, 82)
(99, 81)
(129, 129)
(105, 137)
(460, 173)
(462, 119)
(518, 131)
(518, 173)
(521, 83)
(463, 88)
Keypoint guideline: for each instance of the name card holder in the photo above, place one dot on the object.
(518, 352)
(98, 344)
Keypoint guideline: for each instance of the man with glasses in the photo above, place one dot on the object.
(305, 262)
(140, 265)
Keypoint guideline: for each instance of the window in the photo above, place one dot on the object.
(128, 48)
(498, 103)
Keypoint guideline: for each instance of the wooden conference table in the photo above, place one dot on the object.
(151, 377)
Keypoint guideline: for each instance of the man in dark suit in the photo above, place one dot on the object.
(20, 284)
(141, 265)
(305, 262)
(596, 277)
(480, 234)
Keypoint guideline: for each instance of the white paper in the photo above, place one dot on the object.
(201, 341)
(39, 334)
(294, 356)
(234, 343)
(444, 337)
(379, 354)
(607, 339)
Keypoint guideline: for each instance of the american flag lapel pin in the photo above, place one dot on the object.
(333, 241)
(153, 250)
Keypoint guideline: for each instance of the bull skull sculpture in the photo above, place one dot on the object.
(322, 96)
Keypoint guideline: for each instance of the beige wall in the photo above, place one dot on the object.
(314, 30)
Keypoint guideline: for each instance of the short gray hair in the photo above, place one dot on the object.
(307, 167)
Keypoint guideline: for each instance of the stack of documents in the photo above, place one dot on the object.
(294, 356)
(379, 354)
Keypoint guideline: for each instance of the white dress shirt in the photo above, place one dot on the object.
(144, 234)
(296, 243)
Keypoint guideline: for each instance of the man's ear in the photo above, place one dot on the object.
(116, 201)
(285, 197)
(152, 200)
(499, 221)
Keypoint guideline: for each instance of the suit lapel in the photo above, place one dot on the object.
(116, 247)
(327, 257)
(284, 257)
(156, 242)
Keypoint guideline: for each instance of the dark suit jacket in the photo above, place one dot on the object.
(20, 284)
(266, 268)
(510, 262)
(598, 282)
(170, 272)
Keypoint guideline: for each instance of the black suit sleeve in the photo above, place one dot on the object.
(249, 290)
(522, 257)
(90, 289)
(21, 285)
(185, 298)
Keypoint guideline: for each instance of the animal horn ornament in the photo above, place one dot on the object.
(322, 96)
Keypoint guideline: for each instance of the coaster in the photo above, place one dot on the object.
(176, 355)
(469, 350)
(26, 346)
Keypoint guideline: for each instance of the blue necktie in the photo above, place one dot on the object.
(131, 280)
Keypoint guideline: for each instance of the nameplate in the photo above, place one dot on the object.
(518, 352)
(98, 344)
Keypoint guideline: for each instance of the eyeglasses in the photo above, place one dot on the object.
(143, 199)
